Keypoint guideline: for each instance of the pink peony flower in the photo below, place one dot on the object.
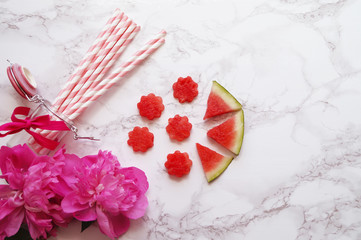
(28, 197)
(44, 192)
(103, 191)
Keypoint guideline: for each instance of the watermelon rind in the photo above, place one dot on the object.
(221, 166)
(240, 132)
(237, 132)
(226, 96)
(214, 174)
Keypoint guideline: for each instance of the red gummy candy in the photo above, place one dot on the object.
(178, 164)
(150, 106)
(140, 139)
(179, 128)
(185, 89)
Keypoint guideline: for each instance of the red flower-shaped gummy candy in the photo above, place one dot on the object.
(140, 139)
(178, 164)
(179, 128)
(150, 106)
(185, 89)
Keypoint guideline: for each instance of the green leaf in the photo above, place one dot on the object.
(85, 225)
(22, 234)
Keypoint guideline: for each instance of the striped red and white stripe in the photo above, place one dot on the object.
(86, 85)
(88, 58)
(118, 74)
(105, 65)
(93, 69)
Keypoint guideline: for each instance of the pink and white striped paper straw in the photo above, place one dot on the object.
(89, 56)
(106, 64)
(99, 42)
(109, 60)
(118, 74)
(116, 29)
(100, 87)
(97, 60)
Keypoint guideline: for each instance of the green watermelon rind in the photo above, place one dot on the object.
(238, 135)
(239, 141)
(226, 96)
(222, 165)
(218, 171)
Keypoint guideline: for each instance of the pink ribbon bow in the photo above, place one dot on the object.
(42, 122)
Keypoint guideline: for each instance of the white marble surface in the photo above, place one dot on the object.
(295, 65)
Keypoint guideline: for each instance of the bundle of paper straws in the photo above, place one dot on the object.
(88, 82)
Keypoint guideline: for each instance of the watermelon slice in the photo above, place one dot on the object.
(220, 101)
(213, 163)
(230, 133)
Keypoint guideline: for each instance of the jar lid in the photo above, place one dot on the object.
(22, 80)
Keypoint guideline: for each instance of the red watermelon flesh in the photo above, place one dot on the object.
(213, 163)
(220, 101)
(230, 133)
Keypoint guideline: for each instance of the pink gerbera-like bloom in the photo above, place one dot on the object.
(103, 191)
(28, 197)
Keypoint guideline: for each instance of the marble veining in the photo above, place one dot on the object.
(295, 66)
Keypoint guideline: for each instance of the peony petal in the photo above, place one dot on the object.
(8, 201)
(61, 188)
(5, 191)
(5, 209)
(21, 157)
(12, 222)
(70, 204)
(71, 164)
(39, 224)
(112, 226)
(139, 208)
(89, 160)
(140, 179)
(15, 179)
(86, 215)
